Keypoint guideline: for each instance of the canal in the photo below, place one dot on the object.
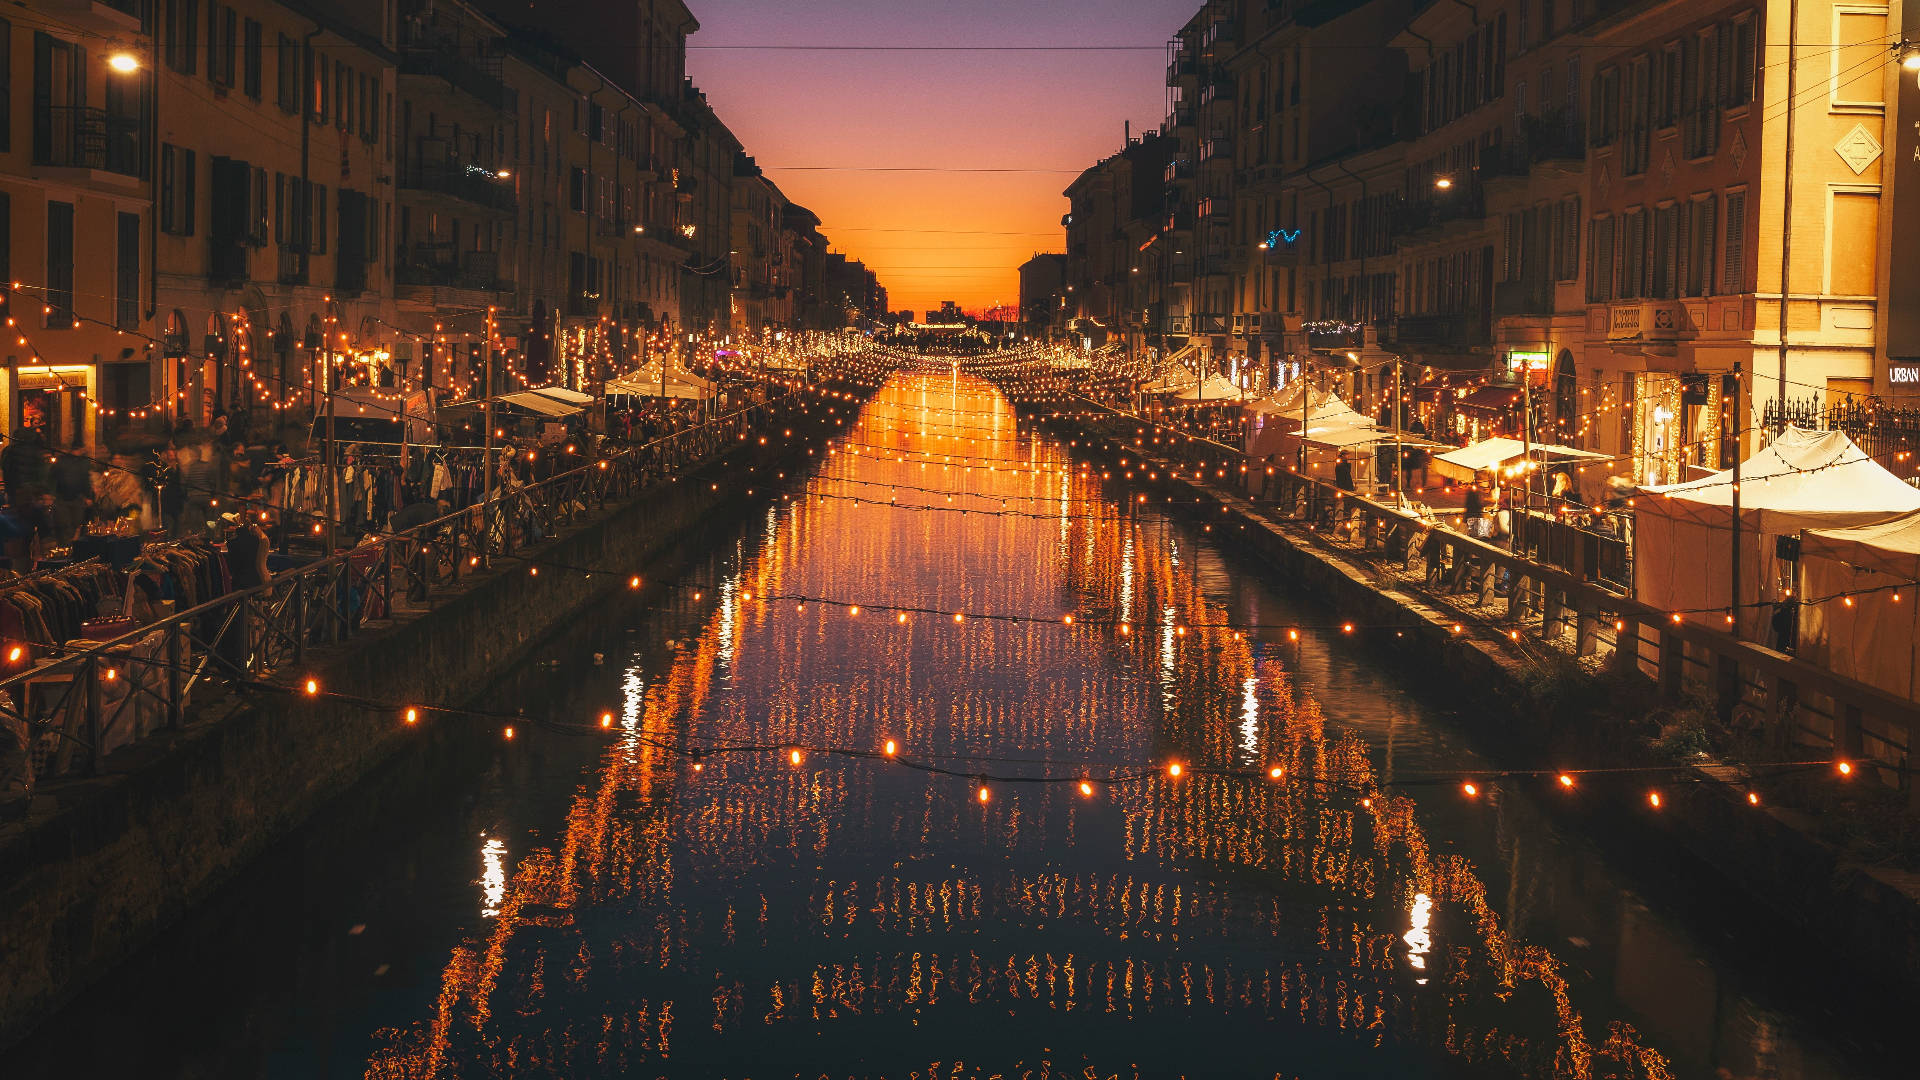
(733, 879)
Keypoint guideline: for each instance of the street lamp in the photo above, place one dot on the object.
(1443, 183)
(125, 63)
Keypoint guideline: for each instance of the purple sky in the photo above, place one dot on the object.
(1031, 110)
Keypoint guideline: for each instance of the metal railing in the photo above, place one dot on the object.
(85, 699)
(1585, 612)
(85, 137)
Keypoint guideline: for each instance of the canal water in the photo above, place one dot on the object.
(585, 902)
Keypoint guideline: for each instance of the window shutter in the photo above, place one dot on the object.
(1733, 278)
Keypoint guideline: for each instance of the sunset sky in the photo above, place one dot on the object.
(934, 236)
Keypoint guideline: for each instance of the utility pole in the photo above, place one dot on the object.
(486, 457)
(333, 464)
(1733, 599)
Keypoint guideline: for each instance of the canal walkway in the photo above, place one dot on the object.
(1566, 669)
(190, 746)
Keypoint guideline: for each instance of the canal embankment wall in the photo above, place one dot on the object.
(1866, 917)
(123, 854)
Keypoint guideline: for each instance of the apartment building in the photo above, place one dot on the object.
(77, 165)
(1118, 257)
(1568, 214)
(703, 188)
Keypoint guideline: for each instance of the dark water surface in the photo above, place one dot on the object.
(569, 906)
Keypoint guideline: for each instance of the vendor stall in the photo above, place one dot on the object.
(1802, 480)
(1858, 616)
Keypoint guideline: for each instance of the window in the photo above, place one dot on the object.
(1633, 255)
(1666, 251)
(280, 208)
(1733, 277)
(1700, 247)
(250, 64)
(59, 265)
(1741, 66)
(577, 190)
(1569, 263)
(1853, 229)
(258, 222)
(317, 199)
(342, 96)
(6, 90)
(319, 84)
(1603, 113)
(183, 36)
(1700, 133)
(126, 278)
(287, 72)
(1600, 260)
(176, 190)
(221, 24)
(1638, 120)
(1856, 64)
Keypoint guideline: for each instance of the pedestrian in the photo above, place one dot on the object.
(72, 477)
(1343, 473)
(25, 463)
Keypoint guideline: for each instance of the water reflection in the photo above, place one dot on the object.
(868, 919)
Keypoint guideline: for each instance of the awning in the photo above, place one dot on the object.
(677, 384)
(1490, 455)
(564, 395)
(1492, 400)
(539, 404)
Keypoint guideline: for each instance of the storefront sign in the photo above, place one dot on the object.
(1903, 375)
(1518, 360)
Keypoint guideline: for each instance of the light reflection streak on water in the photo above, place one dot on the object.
(493, 876)
(1419, 939)
(851, 891)
(1249, 720)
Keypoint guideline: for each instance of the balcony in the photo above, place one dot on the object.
(81, 137)
(1455, 211)
(479, 80)
(472, 270)
(1645, 320)
(1183, 116)
(110, 18)
(293, 267)
(1442, 331)
(1182, 67)
(1221, 36)
(1179, 169)
(1216, 148)
(468, 183)
(1525, 297)
(1544, 140)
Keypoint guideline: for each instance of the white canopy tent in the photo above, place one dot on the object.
(1683, 533)
(1216, 390)
(1875, 639)
(540, 404)
(1496, 455)
(564, 395)
(677, 384)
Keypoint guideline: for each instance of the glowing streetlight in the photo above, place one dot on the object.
(125, 63)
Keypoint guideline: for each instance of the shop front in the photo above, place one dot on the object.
(54, 398)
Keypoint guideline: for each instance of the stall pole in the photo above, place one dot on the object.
(486, 456)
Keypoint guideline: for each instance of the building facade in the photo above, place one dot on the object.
(274, 197)
(1609, 223)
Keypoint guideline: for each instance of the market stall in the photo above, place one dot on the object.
(1503, 458)
(1859, 617)
(1683, 533)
